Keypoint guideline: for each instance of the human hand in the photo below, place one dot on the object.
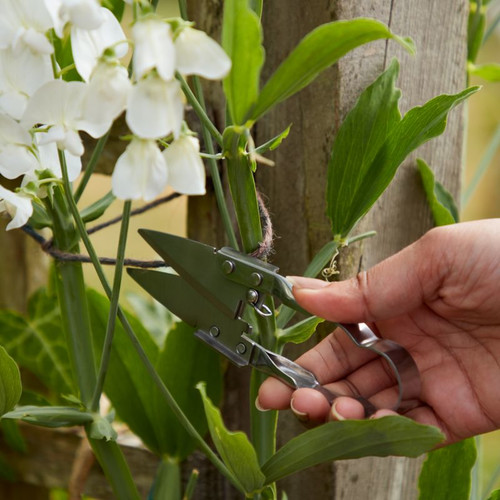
(440, 299)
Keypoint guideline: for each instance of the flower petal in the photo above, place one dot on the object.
(18, 206)
(49, 159)
(88, 45)
(155, 108)
(154, 48)
(140, 171)
(106, 98)
(198, 54)
(186, 173)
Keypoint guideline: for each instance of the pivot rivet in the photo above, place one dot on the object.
(228, 266)
(214, 331)
(241, 348)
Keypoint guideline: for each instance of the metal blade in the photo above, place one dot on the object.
(197, 264)
(220, 331)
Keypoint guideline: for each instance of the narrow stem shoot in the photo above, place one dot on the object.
(113, 308)
(89, 169)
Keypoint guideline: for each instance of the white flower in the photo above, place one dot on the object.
(49, 159)
(24, 23)
(186, 173)
(197, 54)
(22, 72)
(86, 14)
(140, 171)
(17, 205)
(15, 157)
(88, 45)
(59, 105)
(155, 107)
(153, 48)
(106, 96)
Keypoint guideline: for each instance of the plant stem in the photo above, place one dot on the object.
(199, 109)
(113, 309)
(89, 169)
(137, 346)
(75, 315)
(167, 483)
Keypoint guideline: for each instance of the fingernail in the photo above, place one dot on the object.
(311, 283)
(335, 414)
(258, 406)
(303, 417)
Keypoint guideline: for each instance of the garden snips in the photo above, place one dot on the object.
(210, 290)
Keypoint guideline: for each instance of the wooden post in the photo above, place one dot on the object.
(294, 189)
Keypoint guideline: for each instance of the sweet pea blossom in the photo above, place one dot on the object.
(186, 173)
(140, 172)
(153, 48)
(48, 159)
(17, 205)
(15, 156)
(24, 23)
(58, 105)
(198, 54)
(155, 107)
(86, 14)
(89, 45)
(106, 96)
(21, 73)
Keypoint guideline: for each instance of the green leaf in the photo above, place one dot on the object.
(98, 208)
(157, 319)
(183, 362)
(64, 57)
(494, 495)
(446, 472)
(441, 203)
(274, 142)
(51, 416)
(347, 439)
(235, 449)
(299, 332)
(357, 143)
(40, 217)
(10, 382)
(242, 41)
(318, 50)
(475, 31)
(354, 193)
(167, 483)
(101, 428)
(37, 342)
(489, 72)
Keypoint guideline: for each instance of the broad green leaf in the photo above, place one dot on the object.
(51, 416)
(441, 203)
(157, 319)
(242, 41)
(299, 332)
(489, 72)
(318, 50)
(235, 449)
(357, 143)
(64, 58)
(274, 142)
(37, 342)
(494, 495)
(347, 439)
(10, 382)
(98, 208)
(419, 125)
(183, 362)
(446, 472)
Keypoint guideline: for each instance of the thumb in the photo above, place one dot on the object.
(395, 286)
